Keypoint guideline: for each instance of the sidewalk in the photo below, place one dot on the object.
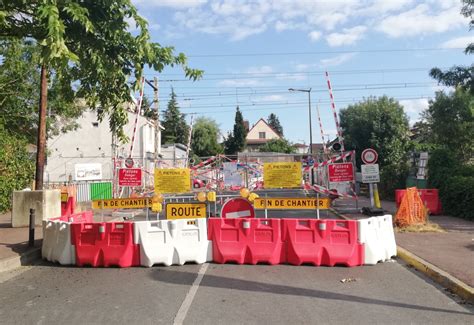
(14, 250)
(451, 251)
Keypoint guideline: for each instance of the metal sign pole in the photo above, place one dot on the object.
(317, 205)
(371, 188)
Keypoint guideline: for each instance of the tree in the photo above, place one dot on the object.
(278, 145)
(16, 166)
(205, 137)
(236, 141)
(175, 128)
(87, 44)
(381, 124)
(147, 109)
(451, 123)
(462, 76)
(19, 93)
(274, 123)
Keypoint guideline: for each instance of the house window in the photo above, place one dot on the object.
(261, 135)
(95, 124)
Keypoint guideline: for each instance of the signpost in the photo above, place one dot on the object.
(292, 203)
(343, 172)
(185, 210)
(369, 156)
(137, 203)
(174, 180)
(237, 208)
(129, 162)
(370, 174)
(282, 175)
(130, 177)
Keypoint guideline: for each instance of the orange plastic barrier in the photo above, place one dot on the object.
(412, 211)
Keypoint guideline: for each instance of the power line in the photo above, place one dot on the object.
(212, 55)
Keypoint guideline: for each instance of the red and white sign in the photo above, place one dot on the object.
(130, 177)
(369, 156)
(342, 172)
(129, 162)
(237, 208)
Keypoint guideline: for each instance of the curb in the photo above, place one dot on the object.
(9, 264)
(441, 277)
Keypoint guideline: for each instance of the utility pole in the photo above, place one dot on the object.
(41, 141)
(157, 122)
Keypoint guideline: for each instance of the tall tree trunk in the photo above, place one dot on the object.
(41, 143)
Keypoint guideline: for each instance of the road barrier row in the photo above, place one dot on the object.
(79, 241)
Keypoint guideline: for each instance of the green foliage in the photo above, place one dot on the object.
(19, 92)
(236, 141)
(274, 123)
(16, 167)
(205, 135)
(176, 130)
(381, 124)
(147, 109)
(451, 123)
(460, 76)
(88, 45)
(278, 145)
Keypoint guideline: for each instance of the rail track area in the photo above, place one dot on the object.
(388, 293)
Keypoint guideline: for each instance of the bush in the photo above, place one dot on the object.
(392, 177)
(16, 167)
(457, 196)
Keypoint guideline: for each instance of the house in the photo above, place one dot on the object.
(89, 153)
(301, 148)
(259, 135)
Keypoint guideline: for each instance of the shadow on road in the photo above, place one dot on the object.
(213, 281)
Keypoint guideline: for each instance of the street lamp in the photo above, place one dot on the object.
(309, 111)
(310, 127)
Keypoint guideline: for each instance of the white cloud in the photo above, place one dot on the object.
(413, 107)
(421, 20)
(349, 36)
(337, 60)
(272, 98)
(177, 4)
(314, 35)
(459, 42)
(239, 83)
(260, 70)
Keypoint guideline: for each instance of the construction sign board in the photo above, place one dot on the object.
(130, 177)
(292, 203)
(173, 180)
(64, 196)
(370, 173)
(342, 172)
(282, 175)
(185, 210)
(129, 203)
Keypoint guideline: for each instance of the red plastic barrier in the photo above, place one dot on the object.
(430, 198)
(246, 240)
(68, 207)
(322, 242)
(105, 244)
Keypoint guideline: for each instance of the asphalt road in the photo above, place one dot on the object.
(387, 293)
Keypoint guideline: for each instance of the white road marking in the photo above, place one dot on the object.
(188, 300)
(238, 214)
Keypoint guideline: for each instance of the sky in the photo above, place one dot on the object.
(252, 52)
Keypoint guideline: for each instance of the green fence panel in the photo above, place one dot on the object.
(101, 191)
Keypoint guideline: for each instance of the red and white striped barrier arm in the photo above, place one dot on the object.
(333, 106)
(203, 163)
(324, 190)
(138, 108)
(330, 161)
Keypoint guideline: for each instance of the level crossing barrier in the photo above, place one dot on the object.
(173, 242)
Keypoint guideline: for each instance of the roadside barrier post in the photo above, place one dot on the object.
(317, 205)
(31, 239)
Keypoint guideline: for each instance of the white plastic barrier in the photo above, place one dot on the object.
(57, 242)
(172, 242)
(376, 233)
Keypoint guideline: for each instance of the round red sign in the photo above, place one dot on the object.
(129, 162)
(369, 156)
(237, 208)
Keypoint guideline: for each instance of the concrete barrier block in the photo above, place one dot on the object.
(47, 204)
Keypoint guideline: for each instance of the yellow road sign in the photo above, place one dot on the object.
(64, 197)
(282, 174)
(172, 180)
(291, 203)
(185, 210)
(137, 203)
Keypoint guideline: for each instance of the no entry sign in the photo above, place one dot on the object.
(130, 177)
(342, 172)
(237, 208)
(369, 156)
